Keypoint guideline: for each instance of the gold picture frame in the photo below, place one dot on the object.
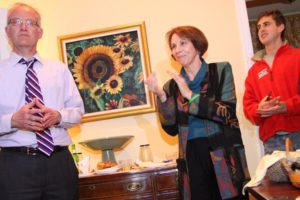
(109, 67)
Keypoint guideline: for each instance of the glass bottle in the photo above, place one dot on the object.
(145, 153)
(75, 154)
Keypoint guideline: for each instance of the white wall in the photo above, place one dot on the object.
(4, 47)
(218, 19)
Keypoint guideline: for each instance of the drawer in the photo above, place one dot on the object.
(141, 185)
(123, 197)
(167, 186)
(166, 181)
(169, 196)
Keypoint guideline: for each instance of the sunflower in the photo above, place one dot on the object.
(95, 65)
(118, 50)
(122, 40)
(114, 84)
(97, 91)
(131, 100)
(112, 104)
(125, 63)
(77, 51)
(135, 46)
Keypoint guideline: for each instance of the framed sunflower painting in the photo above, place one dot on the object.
(109, 67)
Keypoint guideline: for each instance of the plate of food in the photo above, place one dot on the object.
(107, 167)
(108, 170)
(81, 175)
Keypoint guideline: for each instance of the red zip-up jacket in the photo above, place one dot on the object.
(283, 80)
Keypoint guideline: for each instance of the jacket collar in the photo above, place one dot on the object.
(258, 56)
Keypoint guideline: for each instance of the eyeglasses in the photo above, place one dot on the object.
(19, 22)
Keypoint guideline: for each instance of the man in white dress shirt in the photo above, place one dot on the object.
(25, 171)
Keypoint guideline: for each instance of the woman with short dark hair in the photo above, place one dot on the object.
(199, 106)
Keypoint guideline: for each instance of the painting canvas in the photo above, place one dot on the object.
(109, 67)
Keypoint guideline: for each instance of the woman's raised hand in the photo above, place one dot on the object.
(152, 84)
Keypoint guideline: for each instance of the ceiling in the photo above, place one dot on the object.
(285, 6)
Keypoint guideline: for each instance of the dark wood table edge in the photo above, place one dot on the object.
(254, 191)
(250, 190)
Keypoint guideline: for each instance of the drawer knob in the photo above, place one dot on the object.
(92, 187)
(135, 186)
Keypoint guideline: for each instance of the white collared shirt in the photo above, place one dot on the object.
(59, 93)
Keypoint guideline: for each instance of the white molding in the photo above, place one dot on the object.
(244, 31)
(246, 41)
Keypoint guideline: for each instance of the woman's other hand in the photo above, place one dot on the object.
(152, 84)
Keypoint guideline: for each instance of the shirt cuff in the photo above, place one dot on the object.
(60, 120)
(6, 124)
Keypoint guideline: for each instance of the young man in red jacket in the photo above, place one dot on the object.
(272, 87)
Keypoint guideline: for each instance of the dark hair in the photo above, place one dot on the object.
(191, 33)
(277, 17)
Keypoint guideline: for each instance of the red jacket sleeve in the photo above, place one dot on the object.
(250, 102)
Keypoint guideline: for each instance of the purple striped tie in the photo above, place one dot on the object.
(33, 90)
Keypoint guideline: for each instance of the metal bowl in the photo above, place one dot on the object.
(107, 143)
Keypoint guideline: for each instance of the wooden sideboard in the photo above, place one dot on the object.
(154, 184)
(268, 190)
